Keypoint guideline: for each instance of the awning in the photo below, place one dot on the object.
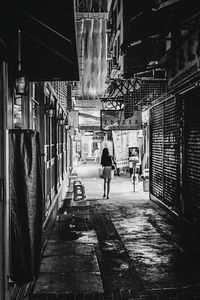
(161, 21)
(48, 40)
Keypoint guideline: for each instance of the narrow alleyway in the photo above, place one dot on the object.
(121, 248)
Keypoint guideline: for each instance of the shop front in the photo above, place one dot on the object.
(175, 135)
(34, 48)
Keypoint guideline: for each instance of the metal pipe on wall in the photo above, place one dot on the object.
(4, 184)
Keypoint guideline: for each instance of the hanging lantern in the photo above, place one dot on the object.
(50, 108)
(60, 119)
(21, 84)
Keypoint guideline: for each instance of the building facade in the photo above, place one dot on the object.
(173, 123)
(38, 61)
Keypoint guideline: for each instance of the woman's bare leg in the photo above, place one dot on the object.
(108, 187)
(104, 187)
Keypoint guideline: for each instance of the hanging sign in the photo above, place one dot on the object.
(133, 154)
(120, 141)
(73, 120)
(115, 120)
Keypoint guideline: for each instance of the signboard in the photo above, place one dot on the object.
(89, 119)
(134, 154)
(120, 141)
(73, 119)
(89, 133)
(99, 136)
(133, 138)
(115, 120)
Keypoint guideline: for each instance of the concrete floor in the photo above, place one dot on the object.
(121, 248)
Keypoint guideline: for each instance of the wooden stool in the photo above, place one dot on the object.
(76, 181)
(79, 192)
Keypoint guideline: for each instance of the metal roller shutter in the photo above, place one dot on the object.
(165, 152)
(171, 166)
(156, 151)
(191, 178)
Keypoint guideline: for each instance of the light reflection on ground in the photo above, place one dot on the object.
(164, 254)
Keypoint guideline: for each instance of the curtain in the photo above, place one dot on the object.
(95, 68)
(26, 204)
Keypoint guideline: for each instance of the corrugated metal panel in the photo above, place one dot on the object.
(165, 152)
(192, 161)
(171, 157)
(192, 185)
(156, 151)
(172, 146)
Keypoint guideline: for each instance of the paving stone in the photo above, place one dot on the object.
(63, 283)
(84, 237)
(140, 250)
(69, 263)
(59, 248)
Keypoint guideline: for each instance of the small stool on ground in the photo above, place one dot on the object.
(67, 219)
(76, 181)
(64, 208)
(79, 191)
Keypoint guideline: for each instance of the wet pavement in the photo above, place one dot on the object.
(125, 247)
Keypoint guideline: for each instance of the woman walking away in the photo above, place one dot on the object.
(106, 162)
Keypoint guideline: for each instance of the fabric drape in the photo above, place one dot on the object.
(26, 204)
(94, 41)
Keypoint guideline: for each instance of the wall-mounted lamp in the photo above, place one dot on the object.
(60, 119)
(21, 84)
(50, 109)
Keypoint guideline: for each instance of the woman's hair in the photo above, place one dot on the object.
(105, 152)
(105, 158)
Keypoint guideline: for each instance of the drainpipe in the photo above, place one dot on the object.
(4, 185)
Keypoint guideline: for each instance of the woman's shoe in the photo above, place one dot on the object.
(104, 196)
(107, 197)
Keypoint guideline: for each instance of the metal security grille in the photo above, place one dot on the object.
(136, 93)
(165, 152)
(171, 158)
(156, 151)
(61, 90)
(69, 96)
(191, 179)
(150, 90)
